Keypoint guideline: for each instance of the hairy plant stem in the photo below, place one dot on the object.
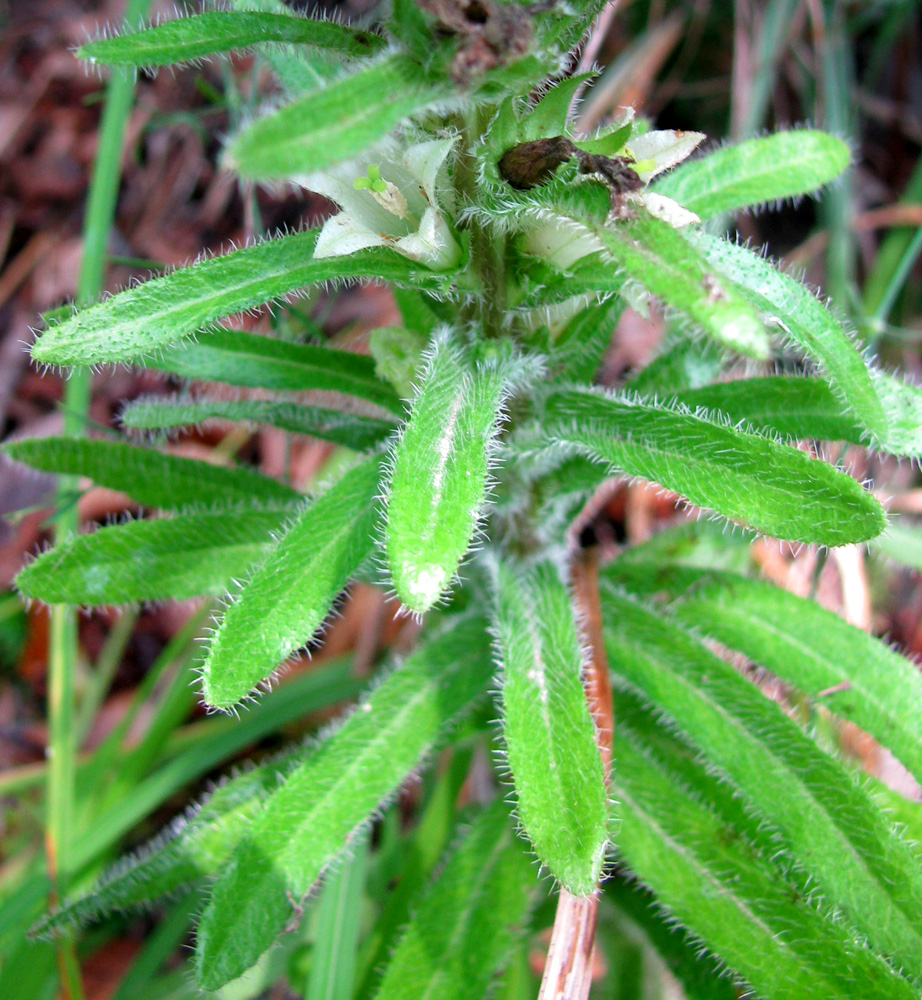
(568, 973)
(488, 251)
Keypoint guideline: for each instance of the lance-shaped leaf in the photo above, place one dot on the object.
(656, 255)
(147, 476)
(211, 33)
(547, 727)
(438, 482)
(308, 822)
(167, 559)
(792, 307)
(853, 674)
(728, 895)
(289, 595)
(748, 478)
(195, 847)
(335, 122)
(139, 321)
(830, 824)
(757, 171)
(255, 362)
(800, 408)
(466, 925)
(352, 430)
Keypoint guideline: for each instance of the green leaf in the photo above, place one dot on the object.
(140, 321)
(687, 363)
(748, 478)
(335, 122)
(799, 408)
(827, 822)
(578, 350)
(197, 845)
(805, 321)
(288, 596)
(548, 730)
(310, 820)
(208, 34)
(902, 542)
(351, 430)
(656, 255)
(464, 929)
(161, 560)
(902, 404)
(438, 481)
(147, 476)
(841, 667)
(255, 362)
(728, 895)
(768, 169)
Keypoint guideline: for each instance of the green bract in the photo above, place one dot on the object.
(467, 448)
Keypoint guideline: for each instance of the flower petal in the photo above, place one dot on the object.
(659, 151)
(345, 234)
(665, 208)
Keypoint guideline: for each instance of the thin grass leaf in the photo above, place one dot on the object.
(740, 905)
(255, 362)
(805, 321)
(138, 322)
(828, 823)
(756, 172)
(438, 482)
(202, 35)
(464, 930)
(147, 476)
(841, 667)
(335, 122)
(548, 730)
(797, 408)
(309, 821)
(748, 478)
(162, 560)
(288, 596)
(351, 430)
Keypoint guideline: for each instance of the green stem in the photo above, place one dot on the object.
(62, 657)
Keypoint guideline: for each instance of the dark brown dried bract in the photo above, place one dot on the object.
(533, 163)
(491, 34)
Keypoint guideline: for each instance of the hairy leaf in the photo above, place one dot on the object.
(849, 672)
(825, 820)
(792, 307)
(136, 323)
(352, 430)
(712, 881)
(289, 595)
(800, 408)
(548, 730)
(438, 482)
(167, 559)
(465, 927)
(656, 255)
(335, 122)
(746, 477)
(255, 362)
(757, 171)
(208, 34)
(148, 476)
(308, 822)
